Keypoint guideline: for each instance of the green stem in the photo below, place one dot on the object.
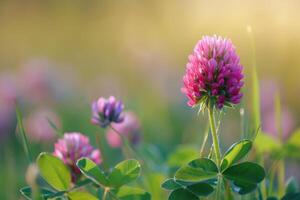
(204, 141)
(23, 134)
(216, 146)
(101, 148)
(125, 142)
(281, 174)
(228, 195)
(106, 190)
(214, 136)
(281, 167)
(263, 183)
(218, 192)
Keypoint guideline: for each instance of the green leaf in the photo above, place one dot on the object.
(198, 189)
(54, 171)
(235, 153)
(92, 171)
(170, 184)
(294, 196)
(201, 169)
(152, 183)
(43, 192)
(182, 155)
(81, 195)
(272, 198)
(124, 172)
(201, 189)
(130, 193)
(289, 151)
(182, 194)
(291, 186)
(245, 176)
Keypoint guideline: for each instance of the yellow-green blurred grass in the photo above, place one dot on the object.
(139, 49)
(135, 39)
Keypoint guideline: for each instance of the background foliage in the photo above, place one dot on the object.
(137, 50)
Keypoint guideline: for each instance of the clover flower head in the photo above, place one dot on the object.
(72, 147)
(106, 111)
(130, 128)
(213, 74)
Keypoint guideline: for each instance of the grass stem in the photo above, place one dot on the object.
(23, 134)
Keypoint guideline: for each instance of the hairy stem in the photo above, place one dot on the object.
(214, 136)
(216, 147)
(218, 192)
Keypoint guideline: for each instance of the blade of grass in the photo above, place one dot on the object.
(256, 98)
(278, 116)
(23, 134)
(281, 167)
(256, 101)
(58, 132)
(243, 124)
(204, 141)
(8, 172)
(255, 82)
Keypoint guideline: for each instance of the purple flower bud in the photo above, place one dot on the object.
(72, 147)
(130, 128)
(106, 111)
(213, 73)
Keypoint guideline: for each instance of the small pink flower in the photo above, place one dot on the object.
(213, 73)
(130, 128)
(8, 95)
(37, 80)
(269, 89)
(38, 127)
(74, 146)
(106, 111)
(270, 127)
(8, 89)
(8, 121)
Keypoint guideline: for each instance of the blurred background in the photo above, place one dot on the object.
(56, 57)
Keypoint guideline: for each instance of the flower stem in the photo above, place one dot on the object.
(23, 134)
(129, 150)
(216, 146)
(106, 190)
(219, 187)
(281, 175)
(214, 136)
(101, 148)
